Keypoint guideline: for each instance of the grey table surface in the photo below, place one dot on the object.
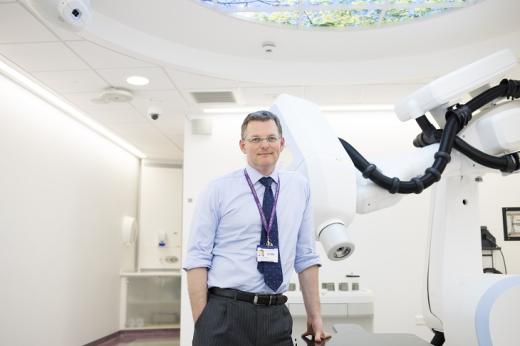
(354, 335)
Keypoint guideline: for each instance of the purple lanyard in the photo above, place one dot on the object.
(262, 215)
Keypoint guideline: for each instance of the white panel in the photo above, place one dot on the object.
(297, 309)
(360, 309)
(72, 81)
(54, 56)
(339, 309)
(171, 124)
(197, 81)
(160, 212)
(100, 57)
(334, 309)
(385, 93)
(265, 96)
(149, 139)
(178, 140)
(112, 118)
(85, 102)
(330, 95)
(165, 100)
(18, 25)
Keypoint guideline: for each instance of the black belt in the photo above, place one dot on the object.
(258, 299)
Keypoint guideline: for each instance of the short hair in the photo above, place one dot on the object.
(260, 116)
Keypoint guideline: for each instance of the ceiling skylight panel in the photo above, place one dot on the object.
(342, 14)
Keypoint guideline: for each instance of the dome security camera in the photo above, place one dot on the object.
(74, 12)
(154, 112)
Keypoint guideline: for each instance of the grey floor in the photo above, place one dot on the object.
(167, 341)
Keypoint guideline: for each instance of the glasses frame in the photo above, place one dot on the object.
(259, 140)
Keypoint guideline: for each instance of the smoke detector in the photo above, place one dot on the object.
(268, 47)
(114, 95)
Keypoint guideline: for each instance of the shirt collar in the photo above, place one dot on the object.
(255, 175)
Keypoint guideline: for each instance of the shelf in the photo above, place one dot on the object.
(151, 273)
(153, 302)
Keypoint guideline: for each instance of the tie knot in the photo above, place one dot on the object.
(266, 181)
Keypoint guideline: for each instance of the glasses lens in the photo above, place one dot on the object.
(258, 140)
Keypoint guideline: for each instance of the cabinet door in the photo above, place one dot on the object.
(153, 302)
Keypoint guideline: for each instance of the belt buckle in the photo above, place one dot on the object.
(255, 299)
(270, 299)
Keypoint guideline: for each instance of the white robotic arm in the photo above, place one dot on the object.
(312, 149)
(454, 283)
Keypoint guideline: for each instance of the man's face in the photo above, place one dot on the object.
(264, 155)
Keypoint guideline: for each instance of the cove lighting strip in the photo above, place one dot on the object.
(337, 108)
(357, 108)
(64, 106)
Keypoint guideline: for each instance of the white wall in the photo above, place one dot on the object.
(63, 193)
(497, 192)
(390, 243)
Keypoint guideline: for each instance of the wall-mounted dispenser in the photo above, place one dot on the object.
(129, 230)
(161, 238)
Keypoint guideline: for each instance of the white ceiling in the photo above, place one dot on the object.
(182, 47)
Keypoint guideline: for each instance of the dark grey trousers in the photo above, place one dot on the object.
(228, 322)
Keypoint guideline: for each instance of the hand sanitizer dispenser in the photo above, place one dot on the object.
(161, 237)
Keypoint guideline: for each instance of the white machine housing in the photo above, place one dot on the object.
(470, 307)
(451, 86)
(312, 148)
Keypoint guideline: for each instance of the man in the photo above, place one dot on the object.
(250, 230)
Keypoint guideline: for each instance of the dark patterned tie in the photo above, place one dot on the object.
(273, 275)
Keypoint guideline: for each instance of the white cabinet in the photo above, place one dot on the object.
(338, 307)
(150, 297)
(150, 300)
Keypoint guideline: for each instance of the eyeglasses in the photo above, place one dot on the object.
(258, 140)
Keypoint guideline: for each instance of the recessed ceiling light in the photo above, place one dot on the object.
(137, 80)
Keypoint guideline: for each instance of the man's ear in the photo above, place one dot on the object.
(242, 145)
(282, 144)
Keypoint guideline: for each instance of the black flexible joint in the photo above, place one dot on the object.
(460, 112)
(512, 88)
(507, 88)
(417, 184)
(429, 134)
(507, 163)
(457, 117)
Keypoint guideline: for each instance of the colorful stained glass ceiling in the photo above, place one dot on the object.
(342, 14)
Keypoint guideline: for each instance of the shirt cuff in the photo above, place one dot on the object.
(307, 262)
(192, 263)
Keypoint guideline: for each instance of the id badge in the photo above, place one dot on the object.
(266, 254)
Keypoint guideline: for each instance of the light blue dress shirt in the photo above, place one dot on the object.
(226, 226)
